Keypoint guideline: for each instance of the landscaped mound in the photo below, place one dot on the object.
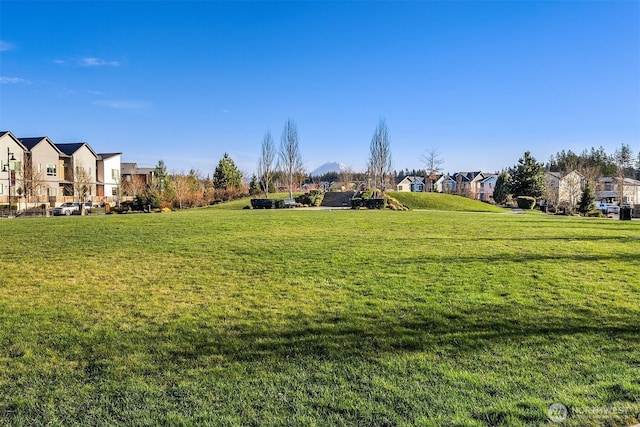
(442, 202)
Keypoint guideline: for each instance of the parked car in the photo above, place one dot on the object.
(67, 208)
(608, 208)
(71, 208)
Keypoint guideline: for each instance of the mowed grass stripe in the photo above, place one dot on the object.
(317, 317)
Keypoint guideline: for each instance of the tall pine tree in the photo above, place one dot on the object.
(227, 175)
(527, 177)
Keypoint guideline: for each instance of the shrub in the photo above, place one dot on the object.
(368, 203)
(526, 202)
(395, 205)
(263, 203)
(595, 214)
(312, 198)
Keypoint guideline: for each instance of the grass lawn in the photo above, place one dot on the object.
(443, 202)
(246, 201)
(243, 317)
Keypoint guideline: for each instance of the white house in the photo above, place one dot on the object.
(565, 189)
(12, 154)
(108, 178)
(411, 183)
(609, 189)
(445, 184)
(483, 188)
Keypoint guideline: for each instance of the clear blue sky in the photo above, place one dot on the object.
(187, 81)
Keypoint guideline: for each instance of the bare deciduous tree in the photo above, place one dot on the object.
(433, 164)
(181, 187)
(134, 185)
(380, 156)
(266, 162)
(346, 176)
(290, 158)
(82, 185)
(31, 180)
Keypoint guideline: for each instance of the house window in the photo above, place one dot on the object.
(1, 188)
(115, 174)
(114, 191)
(53, 191)
(14, 166)
(39, 167)
(51, 169)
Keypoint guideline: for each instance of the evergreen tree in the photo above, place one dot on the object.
(161, 188)
(501, 190)
(587, 200)
(254, 185)
(527, 177)
(227, 175)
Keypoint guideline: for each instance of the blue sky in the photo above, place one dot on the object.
(187, 81)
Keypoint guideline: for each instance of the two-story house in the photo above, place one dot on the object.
(79, 170)
(412, 184)
(109, 177)
(42, 167)
(564, 189)
(12, 153)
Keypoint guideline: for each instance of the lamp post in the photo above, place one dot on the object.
(7, 168)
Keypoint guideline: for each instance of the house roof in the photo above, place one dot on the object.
(488, 176)
(16, 140)
(556, 175)
(412, 178)
(102, 156)
(468, 176)
(31, 142)
(70, 148)
(133, 169)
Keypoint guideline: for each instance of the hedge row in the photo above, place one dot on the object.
(357, 203)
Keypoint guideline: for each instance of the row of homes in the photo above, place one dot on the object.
(476, 185)
(566, 189)
(563, 189)
(37, 170)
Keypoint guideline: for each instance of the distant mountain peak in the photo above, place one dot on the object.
(328, 167)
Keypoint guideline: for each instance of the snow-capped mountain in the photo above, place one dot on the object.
(328, 167)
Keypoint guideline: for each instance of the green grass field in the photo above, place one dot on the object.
(289, 317)
(443, 202)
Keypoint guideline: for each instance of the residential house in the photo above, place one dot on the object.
(461, 183)
(135, 179)
(608, 189)
(108, 177)
(564, 189)
(42, 169)
(12, 154)
(412, 184)
(78, 163)
(445, 184)
(483, 185)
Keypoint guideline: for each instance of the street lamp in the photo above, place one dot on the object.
(7, 168)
